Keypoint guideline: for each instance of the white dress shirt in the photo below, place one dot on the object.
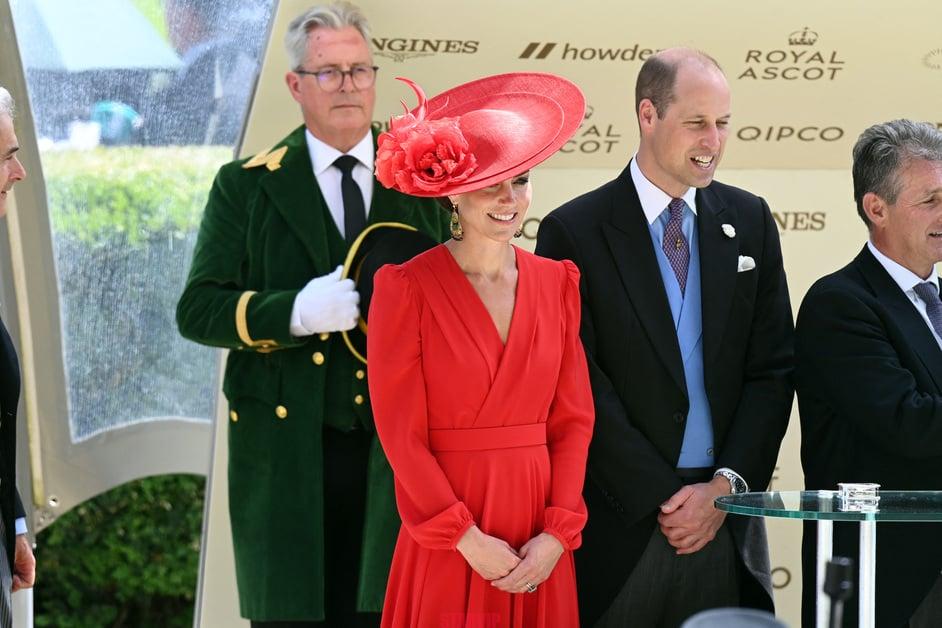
(328, 175)
(907, 280)
(654, 200)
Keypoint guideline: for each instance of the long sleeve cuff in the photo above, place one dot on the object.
(20, 525)
(565, 525)
(444, 530)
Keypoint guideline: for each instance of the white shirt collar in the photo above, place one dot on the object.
(653, 199)
(323, 155)
(904, 278)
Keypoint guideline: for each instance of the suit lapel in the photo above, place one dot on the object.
(719, 257)
(629, 241)
(917, 333)
(294, 192)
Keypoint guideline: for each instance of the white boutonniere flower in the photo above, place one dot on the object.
(729, 230)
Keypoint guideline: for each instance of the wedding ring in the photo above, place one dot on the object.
(531, 588)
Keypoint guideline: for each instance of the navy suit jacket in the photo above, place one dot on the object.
(869, 379)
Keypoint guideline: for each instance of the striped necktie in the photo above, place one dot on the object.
(930, 296)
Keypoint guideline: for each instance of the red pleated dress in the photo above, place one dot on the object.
(479, 433)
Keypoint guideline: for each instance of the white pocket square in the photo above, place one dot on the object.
(745, 263)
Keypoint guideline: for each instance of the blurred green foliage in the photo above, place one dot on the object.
(132, 192)
(124, 222)
(127, 558)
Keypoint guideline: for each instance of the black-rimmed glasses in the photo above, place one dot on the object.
(331, 79)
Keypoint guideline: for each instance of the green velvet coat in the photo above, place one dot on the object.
(264, 235)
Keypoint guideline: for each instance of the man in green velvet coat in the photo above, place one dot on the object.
(313, 515)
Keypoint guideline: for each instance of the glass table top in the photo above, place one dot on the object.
(892, 506)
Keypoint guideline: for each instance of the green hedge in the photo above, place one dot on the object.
(131, 194)
(127, 558)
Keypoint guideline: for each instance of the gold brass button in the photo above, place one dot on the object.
(233, 415)
(281, 412)
(324, 336)
(317, 358)
(358, 400)
(360, 374)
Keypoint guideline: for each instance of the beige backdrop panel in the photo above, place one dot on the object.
(807, 76)
(806, 79)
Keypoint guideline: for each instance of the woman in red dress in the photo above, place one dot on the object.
(478, 379)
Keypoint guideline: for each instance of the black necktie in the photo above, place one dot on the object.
(354, 211)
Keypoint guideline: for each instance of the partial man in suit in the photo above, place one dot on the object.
(312, 509)
(17, 564)
(688, 332)
(868, 369)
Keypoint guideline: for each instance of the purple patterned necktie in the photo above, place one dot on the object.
(930, 296)
(675, 244)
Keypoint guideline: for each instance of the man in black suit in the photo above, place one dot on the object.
(688, 332)
(17, 565)
(868, 369)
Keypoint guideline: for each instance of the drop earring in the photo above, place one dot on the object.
(457, 232)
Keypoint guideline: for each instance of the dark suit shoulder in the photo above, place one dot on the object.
(592, 206)
(847, 280)
(840, 297)
(731, 193)
(750, 209)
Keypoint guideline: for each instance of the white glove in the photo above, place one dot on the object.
(326, 303)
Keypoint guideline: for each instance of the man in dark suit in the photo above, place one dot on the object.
(313, 514)
(868, 369)
(688, 332)
(17, 565)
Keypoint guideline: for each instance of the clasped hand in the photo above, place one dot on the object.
(508, 569)
(689, 520)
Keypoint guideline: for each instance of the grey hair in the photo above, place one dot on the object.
(334, 16)
(883, 150)
(6, 103)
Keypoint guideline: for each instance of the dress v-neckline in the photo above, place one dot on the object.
(475, 297)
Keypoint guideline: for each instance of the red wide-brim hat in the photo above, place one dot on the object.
(478, 134)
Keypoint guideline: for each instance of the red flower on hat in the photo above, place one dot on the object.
(425, 156)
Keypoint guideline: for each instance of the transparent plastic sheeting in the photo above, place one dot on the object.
(125, 111)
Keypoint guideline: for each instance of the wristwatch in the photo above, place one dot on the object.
(737, 485)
